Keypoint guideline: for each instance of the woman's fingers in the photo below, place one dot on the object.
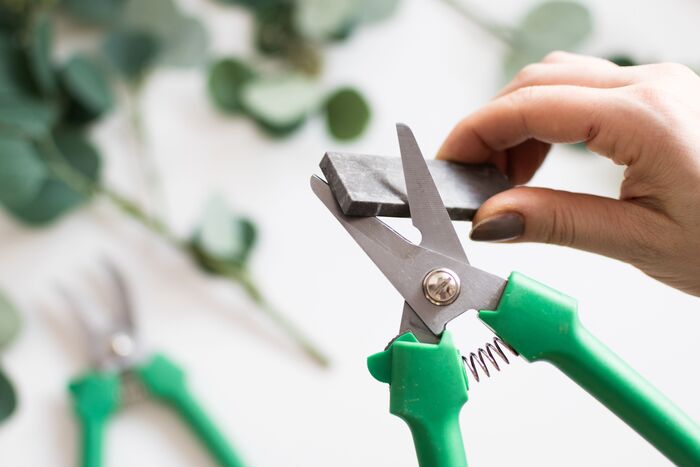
(551, 114)
(523, 160)
(600, 225)
(575, 74)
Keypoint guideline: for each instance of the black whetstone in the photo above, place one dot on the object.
(367, 185)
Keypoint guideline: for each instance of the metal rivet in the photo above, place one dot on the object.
(122, 345)
(441, 286)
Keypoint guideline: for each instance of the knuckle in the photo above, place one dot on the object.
(649, 93)
(556, 56)
(674, 69)
(522, 95)
(528, 73)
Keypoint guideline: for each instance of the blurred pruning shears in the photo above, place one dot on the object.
(426, 374)
(123, 373)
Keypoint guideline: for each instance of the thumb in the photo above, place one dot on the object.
(615, 228)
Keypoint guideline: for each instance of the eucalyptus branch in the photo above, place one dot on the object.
(80, 183)
(151, 182)
(498, 31)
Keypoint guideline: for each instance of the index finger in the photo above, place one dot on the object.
(552, 114)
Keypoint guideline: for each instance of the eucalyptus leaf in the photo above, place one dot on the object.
(22, 173)
(57, 195)
(226, 80)
(275, 33)
(14, 14)
(14, 75)
(372, 11)
(323, 19)
(25, 116)
(158, 17)
(186, 44)
(255, 4)
(551, 25)
(130, 52)
(10, 322)
(347, 114)
(100, 12)
(556, 25)
(39, 55)
(86, 83)
(224, 237)
(280, 104)
(8, 397)
(623, 60)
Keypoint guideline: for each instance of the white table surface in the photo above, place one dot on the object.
(427, 67)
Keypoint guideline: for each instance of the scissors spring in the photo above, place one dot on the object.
(487, 354)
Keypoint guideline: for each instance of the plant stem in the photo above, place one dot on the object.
(151, 183)
(79, 182)
(243, 277)
(499, 31)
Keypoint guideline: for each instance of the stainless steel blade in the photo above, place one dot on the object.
(405, 265)
(428, 213)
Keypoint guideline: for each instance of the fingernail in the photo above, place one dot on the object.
(499, 228)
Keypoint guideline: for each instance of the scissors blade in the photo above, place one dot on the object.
(386, 247)
(405, 266)
(411, 322)
(428, 212)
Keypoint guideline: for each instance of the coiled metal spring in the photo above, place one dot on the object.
(486, 355)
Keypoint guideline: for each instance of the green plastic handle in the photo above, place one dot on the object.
(95, 399)
(542, 324)
(166, 381)
(428, 387)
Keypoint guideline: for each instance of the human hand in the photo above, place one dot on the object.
(644, 117)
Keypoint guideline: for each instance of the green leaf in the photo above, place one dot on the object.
(347, 114)
(323, 19)
(22, 173)
(371, 11)
(14, 14)
(255, 4)
(155, 16)
(226, 80)
(224, 237)
(57, 196)
(552, 25)
(25, 116)
(280, 104)
(274, 31)
(623, 60)
(130, 52)
(8, 397)
(556, 25)
(87, 86)
(39, 55)
(186, 45)
(99, 12)
(183, 39)
(14, 75)
(10, 322)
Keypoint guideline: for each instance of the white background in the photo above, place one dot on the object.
(427, 67)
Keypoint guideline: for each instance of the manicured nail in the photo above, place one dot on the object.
(499, 228)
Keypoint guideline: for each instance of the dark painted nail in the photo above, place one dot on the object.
(499, 228)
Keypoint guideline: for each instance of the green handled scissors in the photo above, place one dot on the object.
(426, 374)
(124, 373)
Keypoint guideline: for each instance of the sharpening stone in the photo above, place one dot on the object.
(366, 185)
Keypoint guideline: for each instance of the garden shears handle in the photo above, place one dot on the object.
(428, 387)
(95, 398)
(166, 382)
(542, 324)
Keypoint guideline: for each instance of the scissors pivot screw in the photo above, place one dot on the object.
(441, 286)
(122, 345)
